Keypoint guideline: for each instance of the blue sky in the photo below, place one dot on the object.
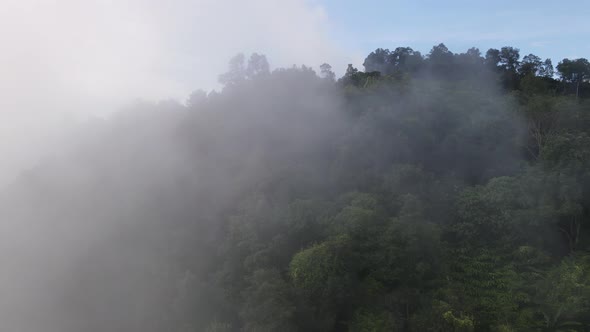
(548, 29)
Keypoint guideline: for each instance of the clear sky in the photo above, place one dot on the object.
(549, 29)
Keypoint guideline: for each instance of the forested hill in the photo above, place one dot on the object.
(439, 192)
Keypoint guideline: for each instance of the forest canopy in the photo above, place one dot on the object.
(437, 192)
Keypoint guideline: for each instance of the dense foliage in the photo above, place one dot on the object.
(447, 192)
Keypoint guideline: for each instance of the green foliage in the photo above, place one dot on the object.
(446, 192)
(459, 324)
(482, 283)
(268, 305)
(367, 321)
(322, 271)
(562, 293)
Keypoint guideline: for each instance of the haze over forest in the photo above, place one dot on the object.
(438, 190)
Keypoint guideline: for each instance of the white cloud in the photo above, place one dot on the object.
(88, 57)
(129, 48)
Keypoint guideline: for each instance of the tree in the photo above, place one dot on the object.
(378, 60)
(543, 122)
(326, 72)
(350, 71)
(561, 294)
(257, 66)
(530, 65)
(323, 269)
(324, 275)
(365, 320)
(288, 202)
(509, 58)
(236, 72)
(574, 71)
(441, 61)
(440, 55)
(352, 76)
(269, 305)
(405, 59)
(468, 65)
(492, 58)
(239, 71)
(471, 58)
(567, 159)
(547, 69)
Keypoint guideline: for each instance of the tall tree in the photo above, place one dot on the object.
(405, 59)
(547, 69)
(257, 66)
(574, 71)
(530, 65)
(509, 57)
(236, 72)
(492, 58)
(326, 72)
(378, 60)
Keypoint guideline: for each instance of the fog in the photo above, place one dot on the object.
(68, 68)
(66, 61)
(92, 235)
(132, 226)
(193, 166)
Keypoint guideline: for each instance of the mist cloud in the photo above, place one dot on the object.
(65, 60)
